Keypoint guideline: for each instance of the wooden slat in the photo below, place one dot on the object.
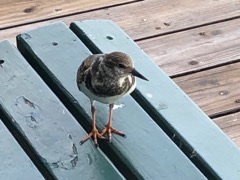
(196, 49)
(147, 151)
(46, 124)
(166, 103)
(14, 162)
(216, 91)
(230, 124)
(152, 17)
(14, 13)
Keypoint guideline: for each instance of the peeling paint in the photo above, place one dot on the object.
(33, 120)
(66, 164)
(90, 159)
(29, 110)
(26, 101)
(74, 148)
(69, 136)
(74, 161)
(162, 106)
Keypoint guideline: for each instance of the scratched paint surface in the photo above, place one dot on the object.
(46, 123)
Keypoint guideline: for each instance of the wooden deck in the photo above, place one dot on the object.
(196, 42)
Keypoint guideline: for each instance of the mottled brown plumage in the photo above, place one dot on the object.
(106, 78)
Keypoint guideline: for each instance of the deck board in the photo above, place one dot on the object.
(13, 13)
(195, 49)
(216, 90)
(230, 124)
(154, 17)
(148, 18)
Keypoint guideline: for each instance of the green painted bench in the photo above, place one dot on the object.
(14, 161)
(50, 133)
(168, 136)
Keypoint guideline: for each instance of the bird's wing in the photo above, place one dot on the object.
(85, 66)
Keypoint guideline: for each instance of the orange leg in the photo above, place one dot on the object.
(109, 129)
(94, 131)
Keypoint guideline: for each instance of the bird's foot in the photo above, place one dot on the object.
(109, 130)
(95, 134)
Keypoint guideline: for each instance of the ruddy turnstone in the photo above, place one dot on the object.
(106, 78)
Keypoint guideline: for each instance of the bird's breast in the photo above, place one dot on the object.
(127, 84)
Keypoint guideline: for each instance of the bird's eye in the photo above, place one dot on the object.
(121, 65)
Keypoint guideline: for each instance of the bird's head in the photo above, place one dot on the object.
(122, 63)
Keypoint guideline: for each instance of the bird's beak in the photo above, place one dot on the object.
(136, 73)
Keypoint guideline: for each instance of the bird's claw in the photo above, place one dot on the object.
(95, 134)
(109, 130)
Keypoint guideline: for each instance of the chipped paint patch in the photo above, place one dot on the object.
(90, 159)
(162, 106)
(67, 162)
(29, 110)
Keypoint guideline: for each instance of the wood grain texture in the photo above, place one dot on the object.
(230, 124)
(195, 49)
(151, 17)
(165, 101)
(18, 12)
(182, 52)
(146, 151)
(216, 91)
(154, 17)
(14, 159)
(46, 124)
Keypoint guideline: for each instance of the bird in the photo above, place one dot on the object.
(106, 78)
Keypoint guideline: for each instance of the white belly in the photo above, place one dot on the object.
(105, 100)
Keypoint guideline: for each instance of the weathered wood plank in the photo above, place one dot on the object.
(230, 124)
(165, 101)
(14, 159)
(46, 124)
(216, 91)
(147, 151)
(152, 17)
(13, 13)
(196, 49)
